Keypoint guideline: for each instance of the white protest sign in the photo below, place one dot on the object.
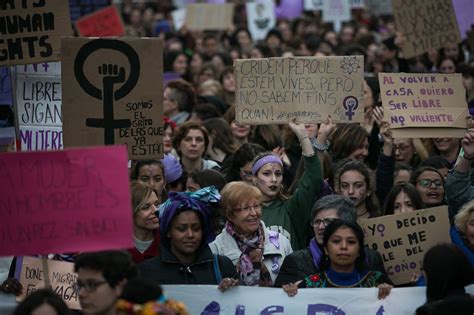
(253, 300)
(336, 11)
(260, 18)
(178, 16)
(38, 103)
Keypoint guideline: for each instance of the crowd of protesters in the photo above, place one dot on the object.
(279, 205)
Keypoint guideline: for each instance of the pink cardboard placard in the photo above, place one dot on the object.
(65, 201)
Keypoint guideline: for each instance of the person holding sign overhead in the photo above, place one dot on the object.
(283, 214)
(344, 263)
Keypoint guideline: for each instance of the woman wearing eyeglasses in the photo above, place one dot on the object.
(304, 262)
(256, 251)
(146, 224)
(343, 262)
(430, 184)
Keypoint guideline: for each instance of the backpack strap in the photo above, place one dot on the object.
(217, 270)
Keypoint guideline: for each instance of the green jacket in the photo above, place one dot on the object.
(292, 217)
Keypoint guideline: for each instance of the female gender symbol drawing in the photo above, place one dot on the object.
(111, 74)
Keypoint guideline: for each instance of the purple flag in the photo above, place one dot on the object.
(464, 14)
(290, 9)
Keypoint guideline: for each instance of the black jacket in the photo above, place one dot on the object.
(299, 264)
(167, 269)
(459, 304)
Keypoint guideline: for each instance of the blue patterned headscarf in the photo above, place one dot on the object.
(200, 201)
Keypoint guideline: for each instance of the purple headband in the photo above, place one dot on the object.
(271, 158)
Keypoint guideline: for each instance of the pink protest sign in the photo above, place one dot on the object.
(65, 201)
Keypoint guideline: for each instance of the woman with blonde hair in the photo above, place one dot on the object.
(145, 202)
(462, 232)
(256, 251)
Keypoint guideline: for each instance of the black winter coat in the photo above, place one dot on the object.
(167, 269)
(299, 265)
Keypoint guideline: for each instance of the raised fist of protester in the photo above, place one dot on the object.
(227, 283)
(11, 286)
(467, 143)
(386, 132)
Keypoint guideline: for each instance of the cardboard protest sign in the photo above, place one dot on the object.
(38, 104)
(105, 22)
(403, 239)
(424, 105)
(203, 16)
(30, 31)
(260, 18)
(37, 273)
(276, 90)
(65, 201)
(425, 25)
(112, 94)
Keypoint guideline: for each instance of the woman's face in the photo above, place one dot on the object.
(180, 64)
(321, 220)
(196, 63)
(431, 188)
(403, 150)
(145, 218)
(228, 82)
(246, 217)
(451, 51)
(152, 174)
(368, 96)
(244, 40)
(192, 146)
(403, 203)
(240, 132)
(343, 248)
(185, 233)
(361, 152)
(470, 231)
(353, 186)
(446, 144)
(167, 140)
(269, 179)
(447, 66)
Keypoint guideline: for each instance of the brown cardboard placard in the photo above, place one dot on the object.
(421, 104)
(425, 25)
(30, 32)
(112, 94)
(276, 90)
(37, 273)
(204, 16)
(403, 239)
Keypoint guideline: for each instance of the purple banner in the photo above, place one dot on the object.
(464, 10)
(290, 9)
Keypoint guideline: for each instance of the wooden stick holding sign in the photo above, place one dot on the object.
(403, 239)
(276, 90)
